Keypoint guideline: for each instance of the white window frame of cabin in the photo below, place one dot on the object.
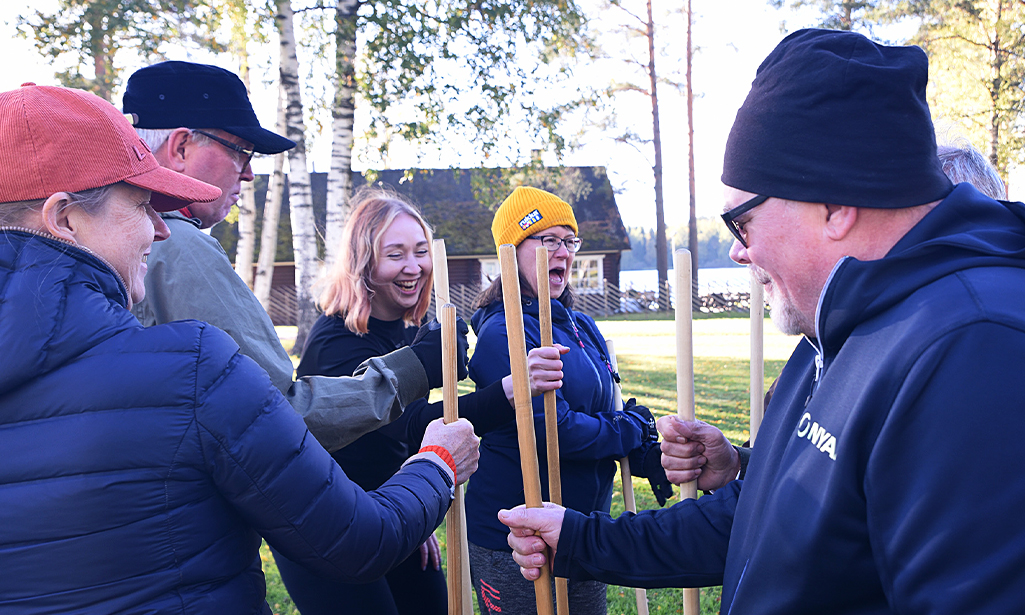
(490, 269)
(587, 274)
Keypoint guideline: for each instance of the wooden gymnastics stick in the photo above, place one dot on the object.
(624, 469)
(455, 518)
(440, 259)
(544, 302)
(524, 412)
(757, 356)
(685, 382)
(440, 300)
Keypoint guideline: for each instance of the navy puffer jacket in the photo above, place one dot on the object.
(142, 465)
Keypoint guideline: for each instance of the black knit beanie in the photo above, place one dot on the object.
(833, 117)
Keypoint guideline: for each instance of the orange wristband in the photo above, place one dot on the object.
(446, 456)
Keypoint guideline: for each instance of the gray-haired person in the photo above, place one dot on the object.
(963, 163)
(198, 121)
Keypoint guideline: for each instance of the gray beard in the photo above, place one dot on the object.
(788, 319)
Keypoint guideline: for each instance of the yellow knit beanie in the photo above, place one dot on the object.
(528, 211)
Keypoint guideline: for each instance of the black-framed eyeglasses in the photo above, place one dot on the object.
(730, 217)
(245, 153)
(552, 242)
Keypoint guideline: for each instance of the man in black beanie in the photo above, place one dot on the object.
(875, 485)
(197, 120)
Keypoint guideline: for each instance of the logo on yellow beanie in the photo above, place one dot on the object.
(530, 219)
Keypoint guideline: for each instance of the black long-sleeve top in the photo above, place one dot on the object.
(333, 350)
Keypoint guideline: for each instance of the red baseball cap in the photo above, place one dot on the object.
(55, 139)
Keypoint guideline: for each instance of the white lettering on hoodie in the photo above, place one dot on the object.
(817, 435)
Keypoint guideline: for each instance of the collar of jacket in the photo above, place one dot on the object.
(65, 246)
(178, 215)
(964, 231)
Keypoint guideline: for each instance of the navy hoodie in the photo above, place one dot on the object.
(881, 481)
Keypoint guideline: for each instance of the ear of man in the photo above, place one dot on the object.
(174, 151)
(839, 221)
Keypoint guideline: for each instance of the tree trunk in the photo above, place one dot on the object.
(995, 89)
(339, 176)
(662, 254)
(692, 236)
(100, 51)
(247, 201)
(300, 198)
(271, 216)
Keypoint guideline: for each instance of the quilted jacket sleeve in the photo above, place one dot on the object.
(266, 463)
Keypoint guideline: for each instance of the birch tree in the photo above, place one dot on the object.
(271, 215)
(300, 197)
(243, 29)
(343, 114)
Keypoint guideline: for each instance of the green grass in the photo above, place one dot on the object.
(646, 351)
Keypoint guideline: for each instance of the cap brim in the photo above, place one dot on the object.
(173, 190)
(263, 140)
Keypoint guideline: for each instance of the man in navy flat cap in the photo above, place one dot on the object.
(878, 483)
(197, 120)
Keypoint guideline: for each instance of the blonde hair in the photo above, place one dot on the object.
(346, 289)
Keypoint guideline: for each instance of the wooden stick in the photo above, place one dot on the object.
(685, 382)
(450, 403)
(757, 356)
(524, 412)
(440, 258)
(441, 297)
(544, 302)
(624, 469)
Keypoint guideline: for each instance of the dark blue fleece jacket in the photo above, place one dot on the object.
(882, 480)
(592, 435)
(141, 466)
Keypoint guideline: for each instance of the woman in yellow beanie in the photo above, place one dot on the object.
(592, 433)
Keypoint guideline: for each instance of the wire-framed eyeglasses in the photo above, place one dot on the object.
(244, 154)
(730, 217)
(553, 242)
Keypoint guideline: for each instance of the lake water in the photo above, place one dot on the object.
(711, 279)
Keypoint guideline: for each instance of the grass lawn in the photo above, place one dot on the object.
(646, 350)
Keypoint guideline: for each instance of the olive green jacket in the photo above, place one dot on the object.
(190, 277)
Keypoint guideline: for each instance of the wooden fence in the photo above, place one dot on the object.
(597, 304)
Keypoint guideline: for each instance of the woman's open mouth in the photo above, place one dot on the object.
(407, 286)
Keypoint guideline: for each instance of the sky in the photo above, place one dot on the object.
(731, 39)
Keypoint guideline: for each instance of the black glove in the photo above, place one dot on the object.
(652, 468)
(427, 346)
(643, 416)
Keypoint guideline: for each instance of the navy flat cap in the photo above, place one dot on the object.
(185, 94)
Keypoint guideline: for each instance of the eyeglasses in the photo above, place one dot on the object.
(552, 242)
(245, 154)
(730, 217)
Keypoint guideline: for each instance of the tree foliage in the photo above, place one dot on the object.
(714, 243)
(837, 14)
(976, 62)
(977, 71)
(428, 72)
(87, 34)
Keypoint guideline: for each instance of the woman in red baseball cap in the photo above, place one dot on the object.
(143, 465)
